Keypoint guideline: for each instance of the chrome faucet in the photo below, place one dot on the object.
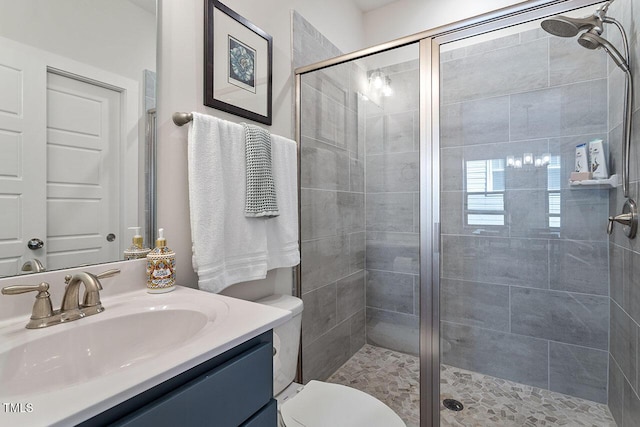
(91, 302)
(43, 315)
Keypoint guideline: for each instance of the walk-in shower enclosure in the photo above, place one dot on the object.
(438, 219)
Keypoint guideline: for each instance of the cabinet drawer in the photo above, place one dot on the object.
(225, 396)
(267, 417)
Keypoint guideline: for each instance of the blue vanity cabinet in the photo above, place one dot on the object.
(232, 389)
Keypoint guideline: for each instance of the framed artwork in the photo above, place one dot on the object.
(237, 64)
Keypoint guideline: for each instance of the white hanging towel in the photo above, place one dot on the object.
(227, 246)
(282, 231)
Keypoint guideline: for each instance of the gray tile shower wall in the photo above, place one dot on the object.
(524, 284)
(359, 231)
(624, 254)
(392, 194)
(332, 207)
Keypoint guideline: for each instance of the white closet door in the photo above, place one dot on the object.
(22, 158)
(83, 140)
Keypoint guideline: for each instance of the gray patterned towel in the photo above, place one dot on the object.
(260, 200)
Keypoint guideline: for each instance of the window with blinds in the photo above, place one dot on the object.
(553, 191)
(485, 192)
(485, 195)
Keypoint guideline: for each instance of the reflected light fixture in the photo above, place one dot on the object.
(528, 159)
(386, 88)
(379, 84)
(377, 79)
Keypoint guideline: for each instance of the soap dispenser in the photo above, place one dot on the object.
(161, 267)
(136, 250)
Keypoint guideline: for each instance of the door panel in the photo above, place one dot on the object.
(22, 141)
(83, 131)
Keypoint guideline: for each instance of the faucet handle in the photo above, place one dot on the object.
(42, 308)
(92, 298)
(108, 273)
(21, 289)
(33, 265)
(628, 218)
(102, 275)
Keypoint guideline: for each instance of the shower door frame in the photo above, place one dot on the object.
(429, 43)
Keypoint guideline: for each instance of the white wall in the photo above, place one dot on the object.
(180, 88)
(107, 34)
(406, 17)
(180, 79)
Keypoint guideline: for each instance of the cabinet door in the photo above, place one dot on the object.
(227, 396)
(267, 417)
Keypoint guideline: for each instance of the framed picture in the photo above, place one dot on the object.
(237, 65)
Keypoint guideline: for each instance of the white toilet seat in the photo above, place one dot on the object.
(321, 404)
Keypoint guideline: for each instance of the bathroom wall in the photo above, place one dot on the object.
(106, 37)
(392, 208)
(405, 17)
(180, 88)
(524, 287)
(332, 207)
(180, 80)
(624, 254)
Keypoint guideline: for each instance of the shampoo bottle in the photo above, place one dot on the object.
(597, 160)
(582, 162)
(161, 267)
(137, 249)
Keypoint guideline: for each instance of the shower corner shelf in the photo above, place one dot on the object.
(611, 182)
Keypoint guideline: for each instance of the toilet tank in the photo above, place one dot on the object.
(286, 340)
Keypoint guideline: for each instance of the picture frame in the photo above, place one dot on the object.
(238, 69)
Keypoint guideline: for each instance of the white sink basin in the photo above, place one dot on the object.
(68, 356)
(70, 372)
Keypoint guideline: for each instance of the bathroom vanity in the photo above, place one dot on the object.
(187, 358)
(231, 389)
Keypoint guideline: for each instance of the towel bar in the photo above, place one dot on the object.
(182, 119)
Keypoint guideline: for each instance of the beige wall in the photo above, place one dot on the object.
(106, 34)
(180, 83)
(405, 17)
(180, 88)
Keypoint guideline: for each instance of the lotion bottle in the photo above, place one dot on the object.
(137, 249)
(161, 267)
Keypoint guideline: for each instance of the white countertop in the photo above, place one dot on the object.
(77, 402)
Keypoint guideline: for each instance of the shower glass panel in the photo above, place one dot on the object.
(524, 280)
(359, 165)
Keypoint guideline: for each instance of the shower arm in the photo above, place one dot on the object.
(628, 106)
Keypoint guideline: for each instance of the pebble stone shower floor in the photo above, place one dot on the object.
(392, 377)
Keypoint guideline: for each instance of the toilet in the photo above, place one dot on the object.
(317, 404)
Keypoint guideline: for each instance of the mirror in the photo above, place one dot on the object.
(77, 80)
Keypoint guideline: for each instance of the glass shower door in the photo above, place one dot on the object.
(524, 284)
(359, 163)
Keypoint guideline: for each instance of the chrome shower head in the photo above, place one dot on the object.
(563, 26)
(590, 40)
